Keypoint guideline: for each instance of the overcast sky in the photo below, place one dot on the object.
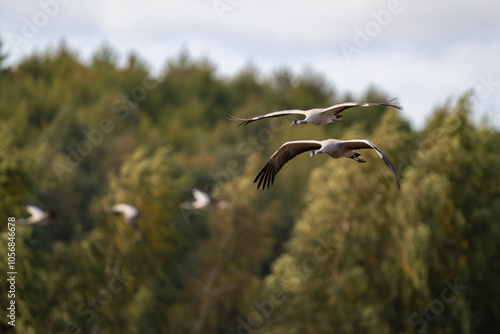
(422, 52)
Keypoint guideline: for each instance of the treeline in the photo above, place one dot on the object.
(333, 247)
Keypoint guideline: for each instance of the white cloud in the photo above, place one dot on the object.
(426, 52)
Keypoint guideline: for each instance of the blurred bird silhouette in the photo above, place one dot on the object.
(38, 216)
(129, 212)
(203, 201)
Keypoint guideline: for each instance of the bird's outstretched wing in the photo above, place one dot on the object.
(357, 144)
(36, 212)
(285, 153)
(126, 209)
(338, 108)
(245, 121)
(201, 197)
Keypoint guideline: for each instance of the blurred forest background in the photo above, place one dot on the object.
(333, 247)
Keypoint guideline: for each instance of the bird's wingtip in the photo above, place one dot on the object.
(242, 121)
(395, 106)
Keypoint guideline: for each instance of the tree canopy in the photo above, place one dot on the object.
(332, 247)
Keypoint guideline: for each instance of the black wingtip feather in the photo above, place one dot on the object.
(387, 104)
(266, 177)
(259, 178)
(241, 121)
(393, 170)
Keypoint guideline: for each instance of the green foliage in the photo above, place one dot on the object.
(391, 253)
(332, 247)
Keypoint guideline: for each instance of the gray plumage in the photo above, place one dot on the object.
(335, 148)
(203, 201)
(317, 116)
